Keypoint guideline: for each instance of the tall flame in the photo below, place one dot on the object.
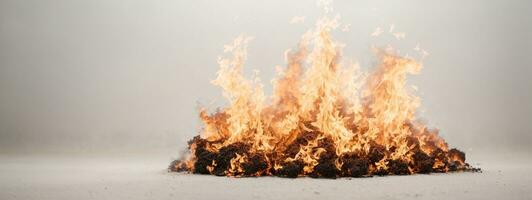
(324, 119)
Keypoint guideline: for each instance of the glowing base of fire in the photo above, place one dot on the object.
(353, 164)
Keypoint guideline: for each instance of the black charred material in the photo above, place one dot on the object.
(206, 160)
(175, 166)
(325, 169)
(256, 164)
(376, 153)
(457, 155)
(453, 165)
(291, 169)
(380, 172)
(326, 163)
(292, 149)
(354, 165)
(204, 156)
(301, 140)
(398, 167)
(472, 169)
(457, 160)
(422, 162)
(330, 151)
(439, 155)
(223, 159)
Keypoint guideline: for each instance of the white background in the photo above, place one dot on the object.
(128, 76)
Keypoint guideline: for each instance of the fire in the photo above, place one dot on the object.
(325, 118)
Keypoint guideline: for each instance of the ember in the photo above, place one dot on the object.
(325, 118)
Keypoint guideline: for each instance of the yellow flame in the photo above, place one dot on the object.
(316, 92)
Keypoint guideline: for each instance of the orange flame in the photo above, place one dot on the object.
(325, 118)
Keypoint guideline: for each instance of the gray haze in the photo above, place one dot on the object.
(127, 76)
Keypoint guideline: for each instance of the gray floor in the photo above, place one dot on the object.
(144, 177)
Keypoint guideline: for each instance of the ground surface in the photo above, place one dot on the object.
(144, 177)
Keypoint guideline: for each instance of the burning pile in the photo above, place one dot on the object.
(325, 119)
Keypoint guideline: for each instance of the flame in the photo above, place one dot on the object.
(325, 118)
